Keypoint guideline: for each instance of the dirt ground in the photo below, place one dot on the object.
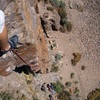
(87, 31)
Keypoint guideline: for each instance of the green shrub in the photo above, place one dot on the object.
(50, 8)
(55, 3)
(58, 57)
(54, 45)
(5, 96)
(58, 87)
(66, 24)
(62, 4)
(63, 22)
(62, 13)
(76, 82)
(68, 84)
(58, 3)
(54, 68)
(46, 1)
(76, 91)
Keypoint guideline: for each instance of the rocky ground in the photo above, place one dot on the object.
(74, 55)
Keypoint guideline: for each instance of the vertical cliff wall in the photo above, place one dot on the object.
(35, 32)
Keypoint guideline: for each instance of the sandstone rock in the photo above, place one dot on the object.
(75, 5)
(35, 32)
(51, 20)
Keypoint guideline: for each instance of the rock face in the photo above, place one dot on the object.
(50, 18)
(22, 19)
(34, 30)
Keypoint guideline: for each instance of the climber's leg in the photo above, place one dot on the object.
(4, 45)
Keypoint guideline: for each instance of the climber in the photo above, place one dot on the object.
(6, 55)
(7, 60)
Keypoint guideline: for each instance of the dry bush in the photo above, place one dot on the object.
(5, 96)
(72, 75)
(46, 1)
(76, 59)
(50, 8)
(54, 68)
(68, 84)
(80, 8)
(69, 26)
(64, 96)
(62, 29)
(94, 95)
(62, 13)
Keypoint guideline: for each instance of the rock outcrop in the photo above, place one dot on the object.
(35, 32)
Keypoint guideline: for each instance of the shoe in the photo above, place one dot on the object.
(13, 41)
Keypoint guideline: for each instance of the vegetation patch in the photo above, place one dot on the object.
(35, 98)
(55, 3)
(58, 87)
(68, 84)
(69, 26)
(76, 91)
(50, 8)
(58, 3)
(23, 97)
(76, 59)
(72, 75)
(94, 95)
(54, 68)
(76, 82)
(62, 13)
(60, 6)
(62, 29)
(64, 96)
(5, 96)
(46, 1)
(83, 67)
(58, 57)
